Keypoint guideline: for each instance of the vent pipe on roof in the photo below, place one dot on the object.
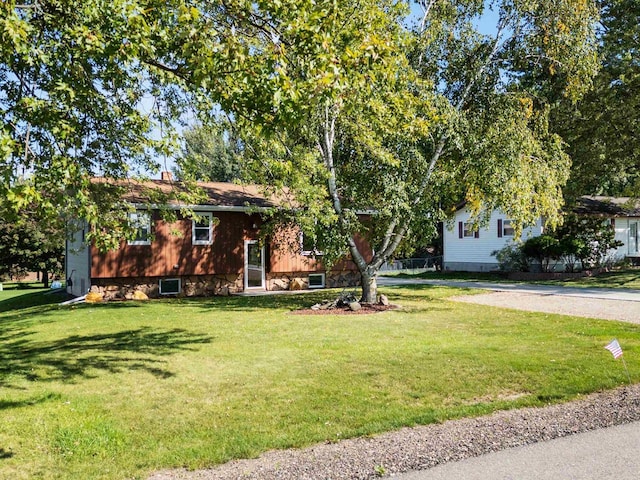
(166, 176)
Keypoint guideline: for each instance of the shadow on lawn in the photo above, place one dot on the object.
(76, 356)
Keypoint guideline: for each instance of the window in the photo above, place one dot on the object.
(505, 229)
(316, 280)
(141, 222)
(308, 245)
(169, 286)
(467, 230)
(202, 229)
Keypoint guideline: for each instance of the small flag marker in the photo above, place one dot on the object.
(616, 350)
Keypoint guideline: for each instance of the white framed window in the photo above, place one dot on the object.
(140, 220)
(170, 286)
(316, 280)
(202, 229)
(507, 228)
(308, 245)
(468, 230)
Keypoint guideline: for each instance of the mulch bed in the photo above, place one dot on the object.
(365, 310)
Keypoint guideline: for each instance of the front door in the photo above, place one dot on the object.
(253, 264)
(633, 238)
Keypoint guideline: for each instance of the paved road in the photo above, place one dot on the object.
(587, 292)
(607, 454)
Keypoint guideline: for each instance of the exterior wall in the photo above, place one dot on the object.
(298, 280)
(172, 254)
(198, 285)
(216, 269)
(623, 231)
(77, 263)
(474, 254)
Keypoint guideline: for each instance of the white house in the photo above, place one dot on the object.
(469, 250)
(466, 249)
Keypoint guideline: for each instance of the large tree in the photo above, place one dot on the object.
(28, 244)
(395, 128)
(602, 128)
(375, 130)
(210, 153)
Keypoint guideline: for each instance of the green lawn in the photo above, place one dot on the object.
(624, 278)
(118, 390)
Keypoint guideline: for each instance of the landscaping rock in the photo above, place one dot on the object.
(93, 297)
(295, 285)
(138, 295)
(355, 306)
(384, 300)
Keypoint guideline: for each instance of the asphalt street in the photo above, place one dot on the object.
(608, 454)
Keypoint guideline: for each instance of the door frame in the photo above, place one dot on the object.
(635, 239)
(246, 265)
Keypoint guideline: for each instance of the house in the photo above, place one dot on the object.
(218, 253)
(469, 249)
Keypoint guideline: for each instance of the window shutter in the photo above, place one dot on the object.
(476, 234)
(460, 230)
(499, 228)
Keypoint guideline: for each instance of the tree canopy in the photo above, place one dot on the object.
(601, 129)
(210, 153)
(376, 128)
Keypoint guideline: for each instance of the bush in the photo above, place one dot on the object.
(544, 249)
(511, 258)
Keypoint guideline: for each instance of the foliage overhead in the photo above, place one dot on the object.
(601, 129)
(338, 101)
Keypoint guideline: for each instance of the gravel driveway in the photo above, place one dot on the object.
(627, 311)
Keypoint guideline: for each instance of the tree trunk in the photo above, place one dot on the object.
(369, 288)
(45, 278)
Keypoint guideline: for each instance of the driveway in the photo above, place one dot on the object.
(604, 303)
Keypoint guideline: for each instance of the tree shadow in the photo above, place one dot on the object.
(33, 299)
(76, 357)
(5, 454)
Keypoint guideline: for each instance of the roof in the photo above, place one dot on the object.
(611, 206)
(217, 195)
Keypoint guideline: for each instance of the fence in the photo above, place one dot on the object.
(413, 265)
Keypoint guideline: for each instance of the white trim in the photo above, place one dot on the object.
(139, 213)
(308, 253)
(246, 266)
(321, 275)
(205, 208)
(169, 280)
(194, 226)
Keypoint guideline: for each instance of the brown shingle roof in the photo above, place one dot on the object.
(218, 194)
(613, 206)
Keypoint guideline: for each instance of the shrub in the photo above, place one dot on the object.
(511, 258)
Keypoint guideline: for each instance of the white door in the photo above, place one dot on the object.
(633, 238)
(253, 265)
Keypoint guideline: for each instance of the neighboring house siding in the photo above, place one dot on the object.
(473, 253)
(628, 231)
(77, 262)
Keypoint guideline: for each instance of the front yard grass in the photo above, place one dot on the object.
(118, 390)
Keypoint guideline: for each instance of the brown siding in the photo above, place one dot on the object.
(285, 255)
(172, 254)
